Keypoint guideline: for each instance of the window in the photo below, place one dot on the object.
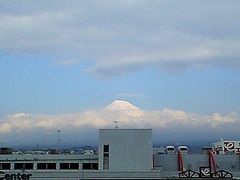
(69, 165)
(46, 166)
(18, 166)
(28, 166)
(95, 166)
(51, 165)
(90, 166)
(23, 166)
(106, 148)
(41, 165)
(106, 156)
(5, 166)
(183, 149)
(64, 165)
(86, 166)
(74, 165)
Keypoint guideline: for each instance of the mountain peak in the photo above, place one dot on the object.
(120, 105)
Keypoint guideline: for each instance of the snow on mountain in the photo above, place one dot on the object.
(120, 105)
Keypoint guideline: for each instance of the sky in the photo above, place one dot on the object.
(63, 63)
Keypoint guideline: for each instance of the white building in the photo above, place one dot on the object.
(125, 149)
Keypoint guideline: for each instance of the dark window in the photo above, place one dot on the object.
(18, 166)
(106, 148)
(69, 165)
(46, 166)
(74, 166)
(106, 155)
(23, 166)
(94, 165)
(51, 165)
(28, 166)
(41, 166)
(183, 149)
(64, 165)
(86, 166)
(5, 166)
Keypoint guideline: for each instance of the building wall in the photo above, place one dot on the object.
(169, 162)
(56, 159)
(129, 149)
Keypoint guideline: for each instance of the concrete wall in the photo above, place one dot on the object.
(168, 163)
(129, 149)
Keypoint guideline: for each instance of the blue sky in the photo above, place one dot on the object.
(64, 57)
(37, 84)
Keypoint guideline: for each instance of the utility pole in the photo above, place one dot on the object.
(58, 141)
(116, 124)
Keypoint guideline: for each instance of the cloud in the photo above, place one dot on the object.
(129, 116)
(122, 37)
(5, 128)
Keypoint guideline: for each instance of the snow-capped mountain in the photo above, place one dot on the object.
(120, 105)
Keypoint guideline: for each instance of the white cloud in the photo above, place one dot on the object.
(124, 36)
(19, 115)
(129, 116)
(5, 128)
(219, 118)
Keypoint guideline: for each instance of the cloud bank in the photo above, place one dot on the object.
(125, 36)
(170, 123)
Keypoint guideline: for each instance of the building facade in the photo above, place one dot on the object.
(125, 149)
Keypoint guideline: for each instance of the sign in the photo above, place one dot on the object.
(228, 146)
(237, 151)
(12, 176)
(205, 172)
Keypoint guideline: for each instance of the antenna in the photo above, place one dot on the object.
(116, 124)
(58, 140)
(58, 135)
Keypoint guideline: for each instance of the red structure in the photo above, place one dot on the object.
(180, 162)
(211, 160)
